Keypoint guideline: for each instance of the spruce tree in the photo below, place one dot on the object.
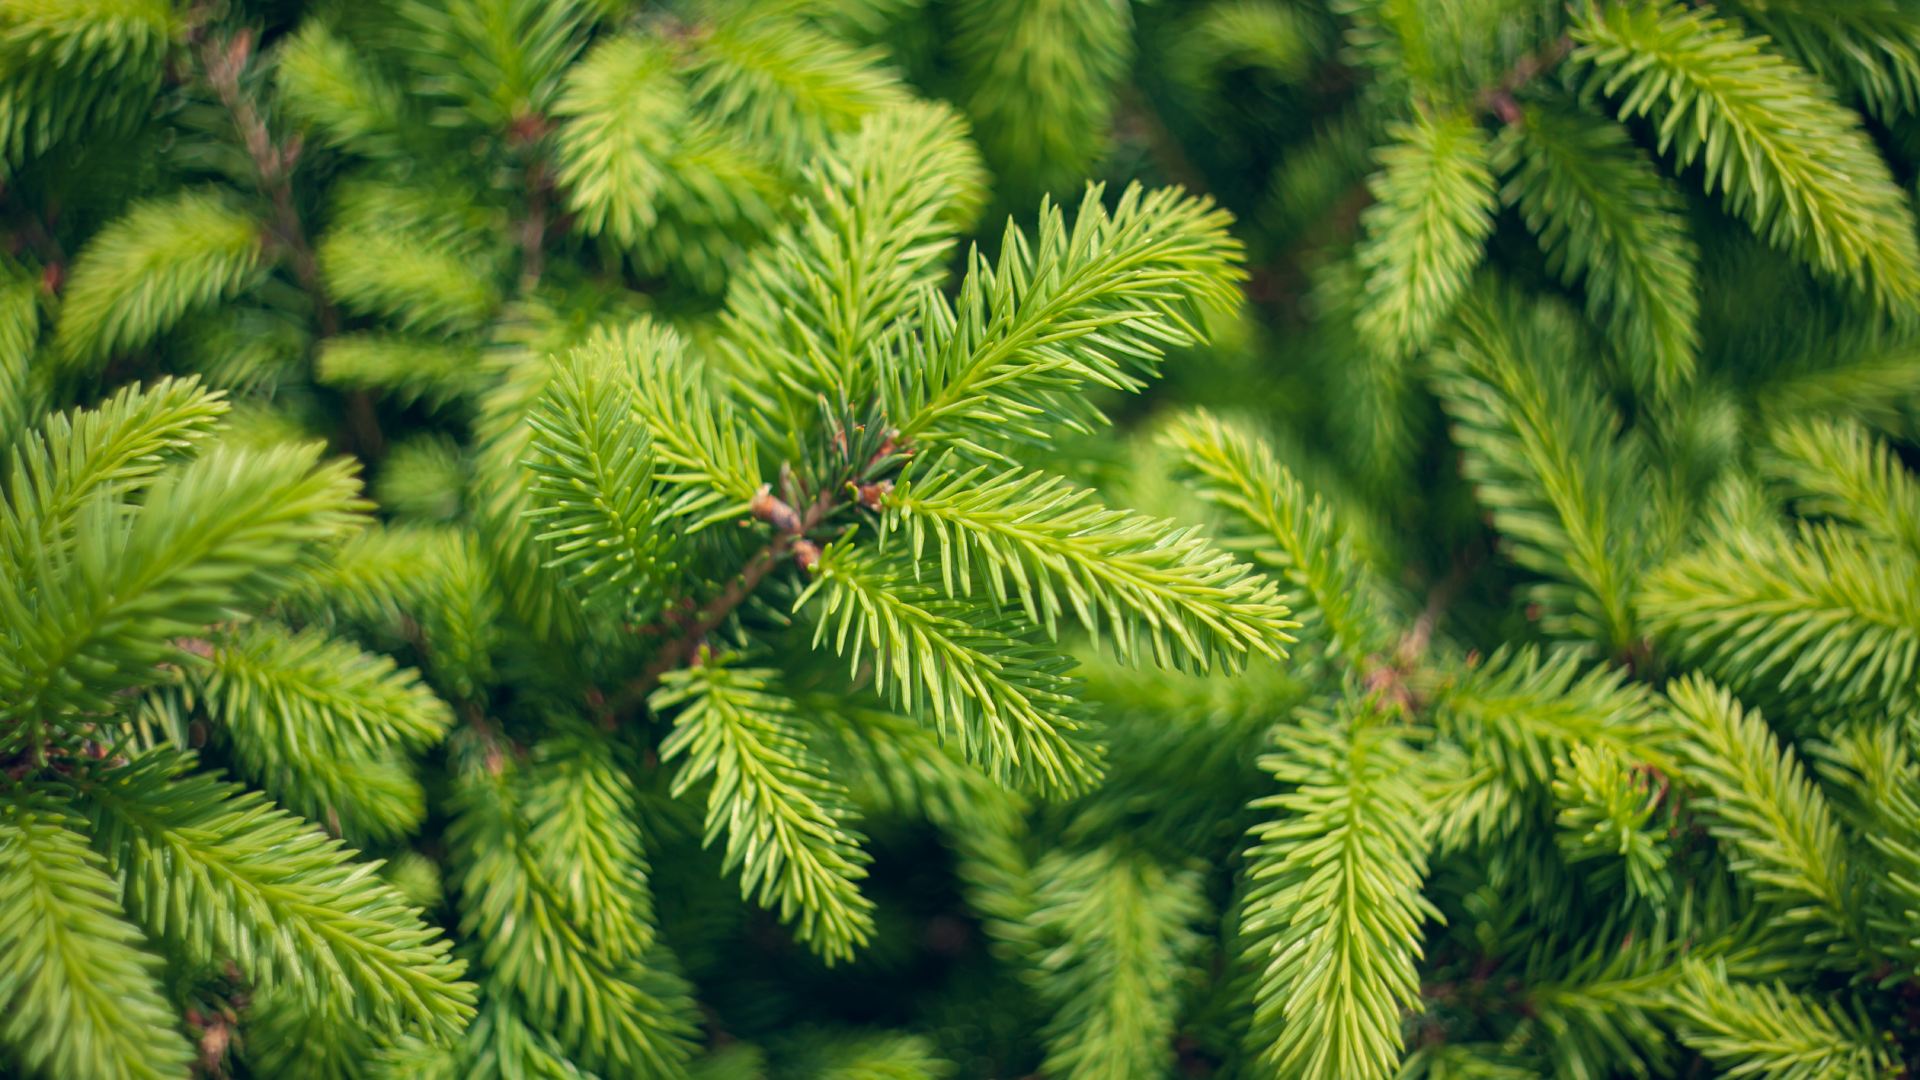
(585, 538)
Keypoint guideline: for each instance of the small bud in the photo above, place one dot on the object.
(214, 1041)
(527, 128)
(870, 495)
(806, 553)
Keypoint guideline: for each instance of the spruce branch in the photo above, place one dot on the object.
(323, 727)
(1605, 217)
(806, 316)
(1518, 711)
(893, 765)
(279, 1035)
(303, 914)
(1040, 82)
(1426, 231)
(625, 1016)
(1094, 305)
(1605, 1004)
(326, 87)
(594, 489)
(1824, 615)
(703, 446)
(1876, 786)
(620, 116)
(1783, 155)
(1860, 372)
(1607, 814)
(1331, 919)
(82, 67)
(785, 819)
(789, 84)
(1784, 837)
(1564, 485)
(1868, 48)
(117, 448)
(1008, 706)
(1841, 470)
(1275, 519)
(502, 1043)
(84, 997)
(404, 369)
(584, 824)
(755, 400)
(430, 585)
(138, 277)
(849, 1054)
(22, 389)
(1030, 537)
(1756, 1029)
(1125, 931)
(418, 275)
(789, 539)
(229, 528)
(486, 65)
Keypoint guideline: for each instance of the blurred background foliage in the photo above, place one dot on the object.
(361, 218)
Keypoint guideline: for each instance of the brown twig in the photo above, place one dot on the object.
(273, 163)
(1500, 98)
(1393, 677)
(1413, 647)
(495, 744)
(524, 134)
(533, 232)
(790, 538)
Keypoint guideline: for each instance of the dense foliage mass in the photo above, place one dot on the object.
(587, 538)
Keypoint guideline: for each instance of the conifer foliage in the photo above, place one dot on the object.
(775, 538)
(682, 562)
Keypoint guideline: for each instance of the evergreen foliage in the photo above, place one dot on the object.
(959, 538)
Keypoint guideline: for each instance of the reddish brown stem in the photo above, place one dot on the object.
(273, 169)
(789, 538)
(1413, 647)
(1500, 99)
(524, 135)
(533, 232)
